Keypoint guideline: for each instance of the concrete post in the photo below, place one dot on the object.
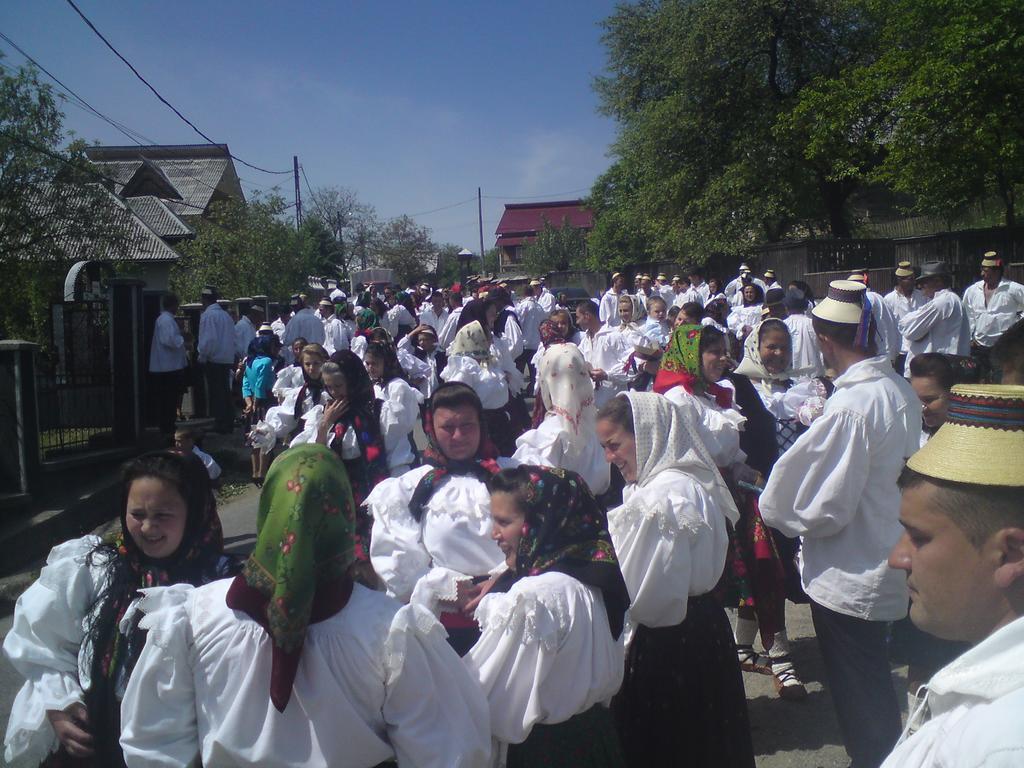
(19, 423)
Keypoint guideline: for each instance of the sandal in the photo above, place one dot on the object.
(751, 661)
(787, 684)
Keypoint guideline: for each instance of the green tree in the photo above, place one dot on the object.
(353, 224)
(52, 207)
(406, 247)
(247, 248)
(939, 114)
(699, 88)
(555, 248)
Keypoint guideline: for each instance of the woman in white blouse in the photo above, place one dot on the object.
(565, 437)
(399, 405)
(550, 655)
(431, 527)
(682, 698)
(291, 663)
(75, 636)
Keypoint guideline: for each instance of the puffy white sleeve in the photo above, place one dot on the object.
(396, 545)
(43, 646)
(399, 412)
(288, 378)
(513, 338)
(816, 486)
(545, 653)
(158, 712)
(281, 418)
(549, 446)
(488, 383)
(310, 424)
(358, 346)
(435, 712)
(719, 429)
(667, 551)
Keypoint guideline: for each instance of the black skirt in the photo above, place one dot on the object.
(682, 700)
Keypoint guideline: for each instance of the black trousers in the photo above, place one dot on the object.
(856, 658)
(165, 389)
(218, 395)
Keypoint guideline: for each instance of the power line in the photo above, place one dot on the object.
(79, 101)
(442, 208)
(157, 93)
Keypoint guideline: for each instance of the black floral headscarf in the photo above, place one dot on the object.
(566, 530)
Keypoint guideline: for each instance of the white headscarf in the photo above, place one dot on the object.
(752, 366)
(639, 312)
(666, 439)
(471, 341)
(568, 393)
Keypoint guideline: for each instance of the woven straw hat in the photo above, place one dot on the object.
(982, 441)
(843, 304)
(991, 259)
(904, 269)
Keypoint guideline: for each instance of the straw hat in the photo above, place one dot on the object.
(662, 276)
(646, 349)
(265, 330)
(904, 269)
(535, 283)
(770, 273)
(843, 304)
(616, 275)
(858, 277)
(991, 259)
(982, 441)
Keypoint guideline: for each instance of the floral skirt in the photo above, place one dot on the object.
(587, 739)
(754, 575)
(682, 701)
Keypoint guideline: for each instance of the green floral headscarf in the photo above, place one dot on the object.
(305, 543)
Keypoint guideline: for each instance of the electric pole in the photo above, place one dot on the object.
(298, 192)
(480, 218)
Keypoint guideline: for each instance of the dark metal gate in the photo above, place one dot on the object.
(74, 382)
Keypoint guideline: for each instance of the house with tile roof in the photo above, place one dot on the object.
(521, 222)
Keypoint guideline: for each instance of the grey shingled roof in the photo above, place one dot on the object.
(159, 217)
(140, 242)
(197, 172)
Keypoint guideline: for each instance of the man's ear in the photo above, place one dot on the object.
(1009, 544)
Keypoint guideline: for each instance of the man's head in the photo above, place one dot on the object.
(170, 303)
(645, 283)
(696, 275)
(437, 302)
(587, 317)
(991, 269)
(208, 296)
(618, 282)
(963, 541)
(326, 308)
(844, 325)
(933, 278)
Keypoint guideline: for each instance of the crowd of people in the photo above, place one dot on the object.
(549, 581)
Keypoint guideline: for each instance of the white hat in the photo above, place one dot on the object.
(338, 295)
(843, 304)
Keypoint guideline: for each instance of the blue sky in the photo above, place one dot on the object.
(411, 104)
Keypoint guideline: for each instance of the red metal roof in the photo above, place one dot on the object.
(529, 218)
(508, 242)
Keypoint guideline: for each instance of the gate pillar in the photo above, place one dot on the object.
(127, 358)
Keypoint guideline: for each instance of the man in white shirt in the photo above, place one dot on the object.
(304, 324)
(902, 300)
(683, 293)
(245, 329)
(336, 335)
(606, 352)
(663, 288)
(993, 304)
(167, 363)
(941, 324)
(770, 281)
(546, 298)
(217, 358)
(435, 314)
(531, 315)
(281, 323)
(836, 488)
(609, 309)
(698, 284)
(963, 554)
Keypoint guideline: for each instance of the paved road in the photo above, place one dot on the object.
(786, 734)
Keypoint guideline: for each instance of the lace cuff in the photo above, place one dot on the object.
(30, 737)
(437, 586)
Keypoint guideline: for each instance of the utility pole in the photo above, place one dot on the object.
(298, 192)
(480, 218)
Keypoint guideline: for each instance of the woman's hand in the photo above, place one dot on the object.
(481, 589)
(72, 728)
(334, 410)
